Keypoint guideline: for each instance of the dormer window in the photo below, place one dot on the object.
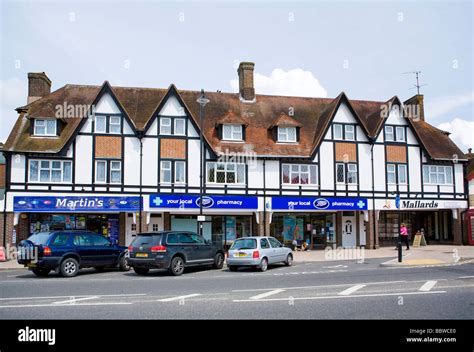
(232, 132)
(44, 127)
(287, 134)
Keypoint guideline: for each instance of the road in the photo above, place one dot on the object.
(322, 290)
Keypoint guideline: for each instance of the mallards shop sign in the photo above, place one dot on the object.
(419, 204)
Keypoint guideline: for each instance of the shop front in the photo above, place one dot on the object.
(51, 213)
(319, 221)
(438, 220)
(226, 217)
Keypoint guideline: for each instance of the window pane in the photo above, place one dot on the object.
(282, 134)
(211, 172)
(349, 132)
(352, 173)
(165, 171)
(51, 127)
(100, 124)
(449, 174)
(291, 132)
(33, 170)
(100, 172)
(391, 173)
(56, 176)
(227, 132)
(115, 176)
(304, 178)
(44, 164)
(313, 174)
(240, 173)
(114, 126)
(220, 177)
(165, 125)
(115, 165)
(179, 126)
(44, 175)
(285, 171)
(400, 134)
(179, 172)
(426, 174)
(230, 177)
(67, 171)
(56, 165)
(337, 131)
(340, 172)
(389, 133)
(402, 174)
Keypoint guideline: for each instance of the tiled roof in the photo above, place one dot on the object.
(313, 115)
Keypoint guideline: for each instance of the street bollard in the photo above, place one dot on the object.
(399, 251)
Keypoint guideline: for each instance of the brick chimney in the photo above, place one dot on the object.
(246, 88)
(39, 85)
(410, 104)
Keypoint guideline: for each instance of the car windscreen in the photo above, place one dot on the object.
(245, 243)
(40, 238)
(146, 240)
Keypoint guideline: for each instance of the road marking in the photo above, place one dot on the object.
(320, 286)
(332, 297)
(466, 277)
(267, 294)
(66, 305)
(428, 285)
(351, 290)
(53, 297)
(171, 299)
(73, 300)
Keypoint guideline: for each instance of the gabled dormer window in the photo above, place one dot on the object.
(232, 132)
(286, 134)
(45, 127)
(108, 124)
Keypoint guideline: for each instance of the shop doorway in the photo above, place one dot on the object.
(349, 233)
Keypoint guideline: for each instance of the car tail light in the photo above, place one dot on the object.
(256, 254)
(47, 251)
(158, 249)
(130, 248)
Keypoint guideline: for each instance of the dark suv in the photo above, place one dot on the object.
(68, 251)
(173, 250)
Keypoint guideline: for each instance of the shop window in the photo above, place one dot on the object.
(225, 173)
(50, 171)
(299, 174)
(437, 175)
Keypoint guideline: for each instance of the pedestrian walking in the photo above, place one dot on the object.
(404, 235)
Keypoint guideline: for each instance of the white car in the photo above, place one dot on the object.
(259, 252)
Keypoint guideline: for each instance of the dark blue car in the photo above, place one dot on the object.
(68, 251)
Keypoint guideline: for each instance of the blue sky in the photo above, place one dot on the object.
(310, 48)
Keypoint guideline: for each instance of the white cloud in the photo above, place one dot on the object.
(462, 132)
(444, 105)
(13, 93)
(295, 82)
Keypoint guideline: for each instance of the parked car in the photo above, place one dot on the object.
(257, 251)
(68, 251)
(173, 250)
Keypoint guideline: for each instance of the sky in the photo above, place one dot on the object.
(317, 48)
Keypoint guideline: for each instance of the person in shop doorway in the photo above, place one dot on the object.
(404, 235)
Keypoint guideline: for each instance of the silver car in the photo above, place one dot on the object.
(259, 252)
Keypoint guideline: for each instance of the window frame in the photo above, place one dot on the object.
(434, 170)
(119, 124)
(226, 170)
(283, 130)
(397, 129)
(176, 163)
(346, 173)
(162, 169)
(162, 125)
(234, 129)
(312, 171)
(111, 170)
(174, 126)
(45, 126)
(338, 125)
(97, 168)
(50, 169)
(392, 134)
(96, 116)
(353, 132)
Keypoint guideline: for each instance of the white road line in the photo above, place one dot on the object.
(73, 300)
(466, 277)
(332, 297)
(320, 286)
(66, 305)
(351, 290)
(53, 297)
(177, 298)
(267, 294)
(428, 285)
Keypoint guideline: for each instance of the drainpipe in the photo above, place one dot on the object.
(140, 137)
(374, 215)
(7, 187)
(264, 200)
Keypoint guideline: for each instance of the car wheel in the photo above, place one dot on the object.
(41, 272)
(264, 264)
(289, 260)
(69, 267)
(141, 271)
(176, 266)
(123, 264)
(218, 261)
(232, 268)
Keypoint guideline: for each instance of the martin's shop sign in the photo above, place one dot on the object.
(209, 202)
(318, 203)
(70, 204)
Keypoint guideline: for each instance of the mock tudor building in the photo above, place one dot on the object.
(330, 171)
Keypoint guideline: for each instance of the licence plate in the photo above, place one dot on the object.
(141, 255)
(240, 254)
(31, 265)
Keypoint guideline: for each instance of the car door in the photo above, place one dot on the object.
(279, 250)
(85, 248)
(267, 251)
(187, 246)
(105, 252)
(203, 250)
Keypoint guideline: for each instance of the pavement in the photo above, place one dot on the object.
(345, 289)
(416, 256)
